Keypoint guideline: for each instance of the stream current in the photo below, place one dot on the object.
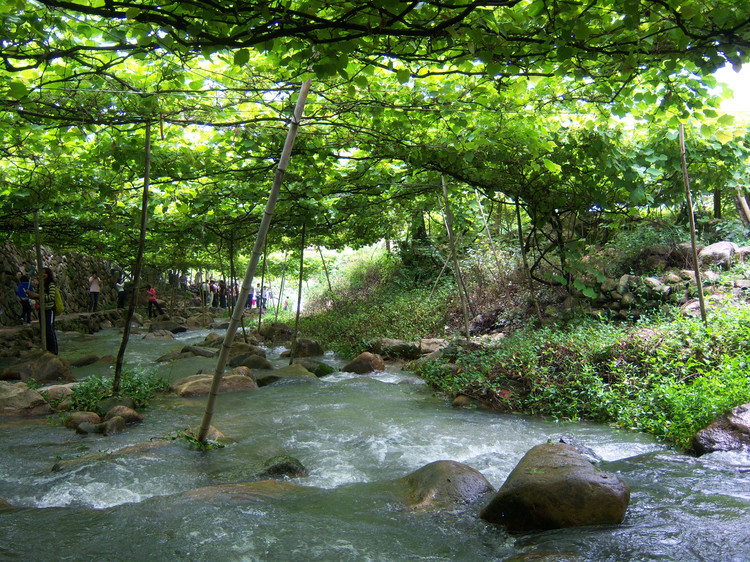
(354, 434)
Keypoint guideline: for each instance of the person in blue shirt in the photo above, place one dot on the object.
(23, 286)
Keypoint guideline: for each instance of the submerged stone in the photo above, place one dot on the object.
(444, 484)
(554, 486)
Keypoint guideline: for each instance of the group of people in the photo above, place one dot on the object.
(26, 293)
(216, 294)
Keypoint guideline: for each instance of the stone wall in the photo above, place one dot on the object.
(72, 272)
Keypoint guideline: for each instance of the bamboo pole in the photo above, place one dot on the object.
(489, 236)
(40, 288)
(325, 270)
(281, 289)
(694, 245)
(299, 294)
(262, 285)
(449, 227)
(257, 248)
(138, 264)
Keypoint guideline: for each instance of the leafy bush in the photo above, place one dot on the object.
(140, 387)
(668, 377)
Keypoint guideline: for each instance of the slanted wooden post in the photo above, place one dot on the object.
(694, 245)
(260, 241)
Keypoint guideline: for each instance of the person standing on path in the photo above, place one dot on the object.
(152, 302)
(120, 287)
(49, 308)
(21, 291)
(94, 288)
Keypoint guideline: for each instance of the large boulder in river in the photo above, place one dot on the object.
(236, 380)
(17, 399)
(242, 348)
(41, 366)
(719, 254)
(443, 484)
(290, 374)
(729, 432)
(251, 361)
(364, 363)
(554, 486)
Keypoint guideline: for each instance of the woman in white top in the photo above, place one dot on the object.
(94, 288)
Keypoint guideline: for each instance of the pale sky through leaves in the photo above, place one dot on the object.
(739, 82)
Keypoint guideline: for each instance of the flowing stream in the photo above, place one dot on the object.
(354, 435)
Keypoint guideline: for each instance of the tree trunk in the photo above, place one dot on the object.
(257, 248)
(138, 265)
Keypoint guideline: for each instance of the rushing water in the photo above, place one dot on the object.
(354, 434)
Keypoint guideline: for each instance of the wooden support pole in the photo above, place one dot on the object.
(257, 249)
(691, 216)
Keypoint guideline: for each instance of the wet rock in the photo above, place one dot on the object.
(200, 384)
(77, 418)
(554, 486)
(128, 414)
(730, 432)
(443, 484)
(113, 425)
(201, 351)
(289, 374)
(586, 452)
(251, 361)
(242, 348)
(17, 399)
(168, 325)
(317, 368)
(159, 335)
(41, 366)
(282, 466)
(364, 363)
(305, 347)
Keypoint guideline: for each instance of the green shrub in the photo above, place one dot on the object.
(140, 387)
(667, 377)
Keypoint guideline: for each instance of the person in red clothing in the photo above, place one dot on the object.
(152, 302)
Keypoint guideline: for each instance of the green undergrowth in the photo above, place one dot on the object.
(377, 301)
(140, 387)
(666, 376)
